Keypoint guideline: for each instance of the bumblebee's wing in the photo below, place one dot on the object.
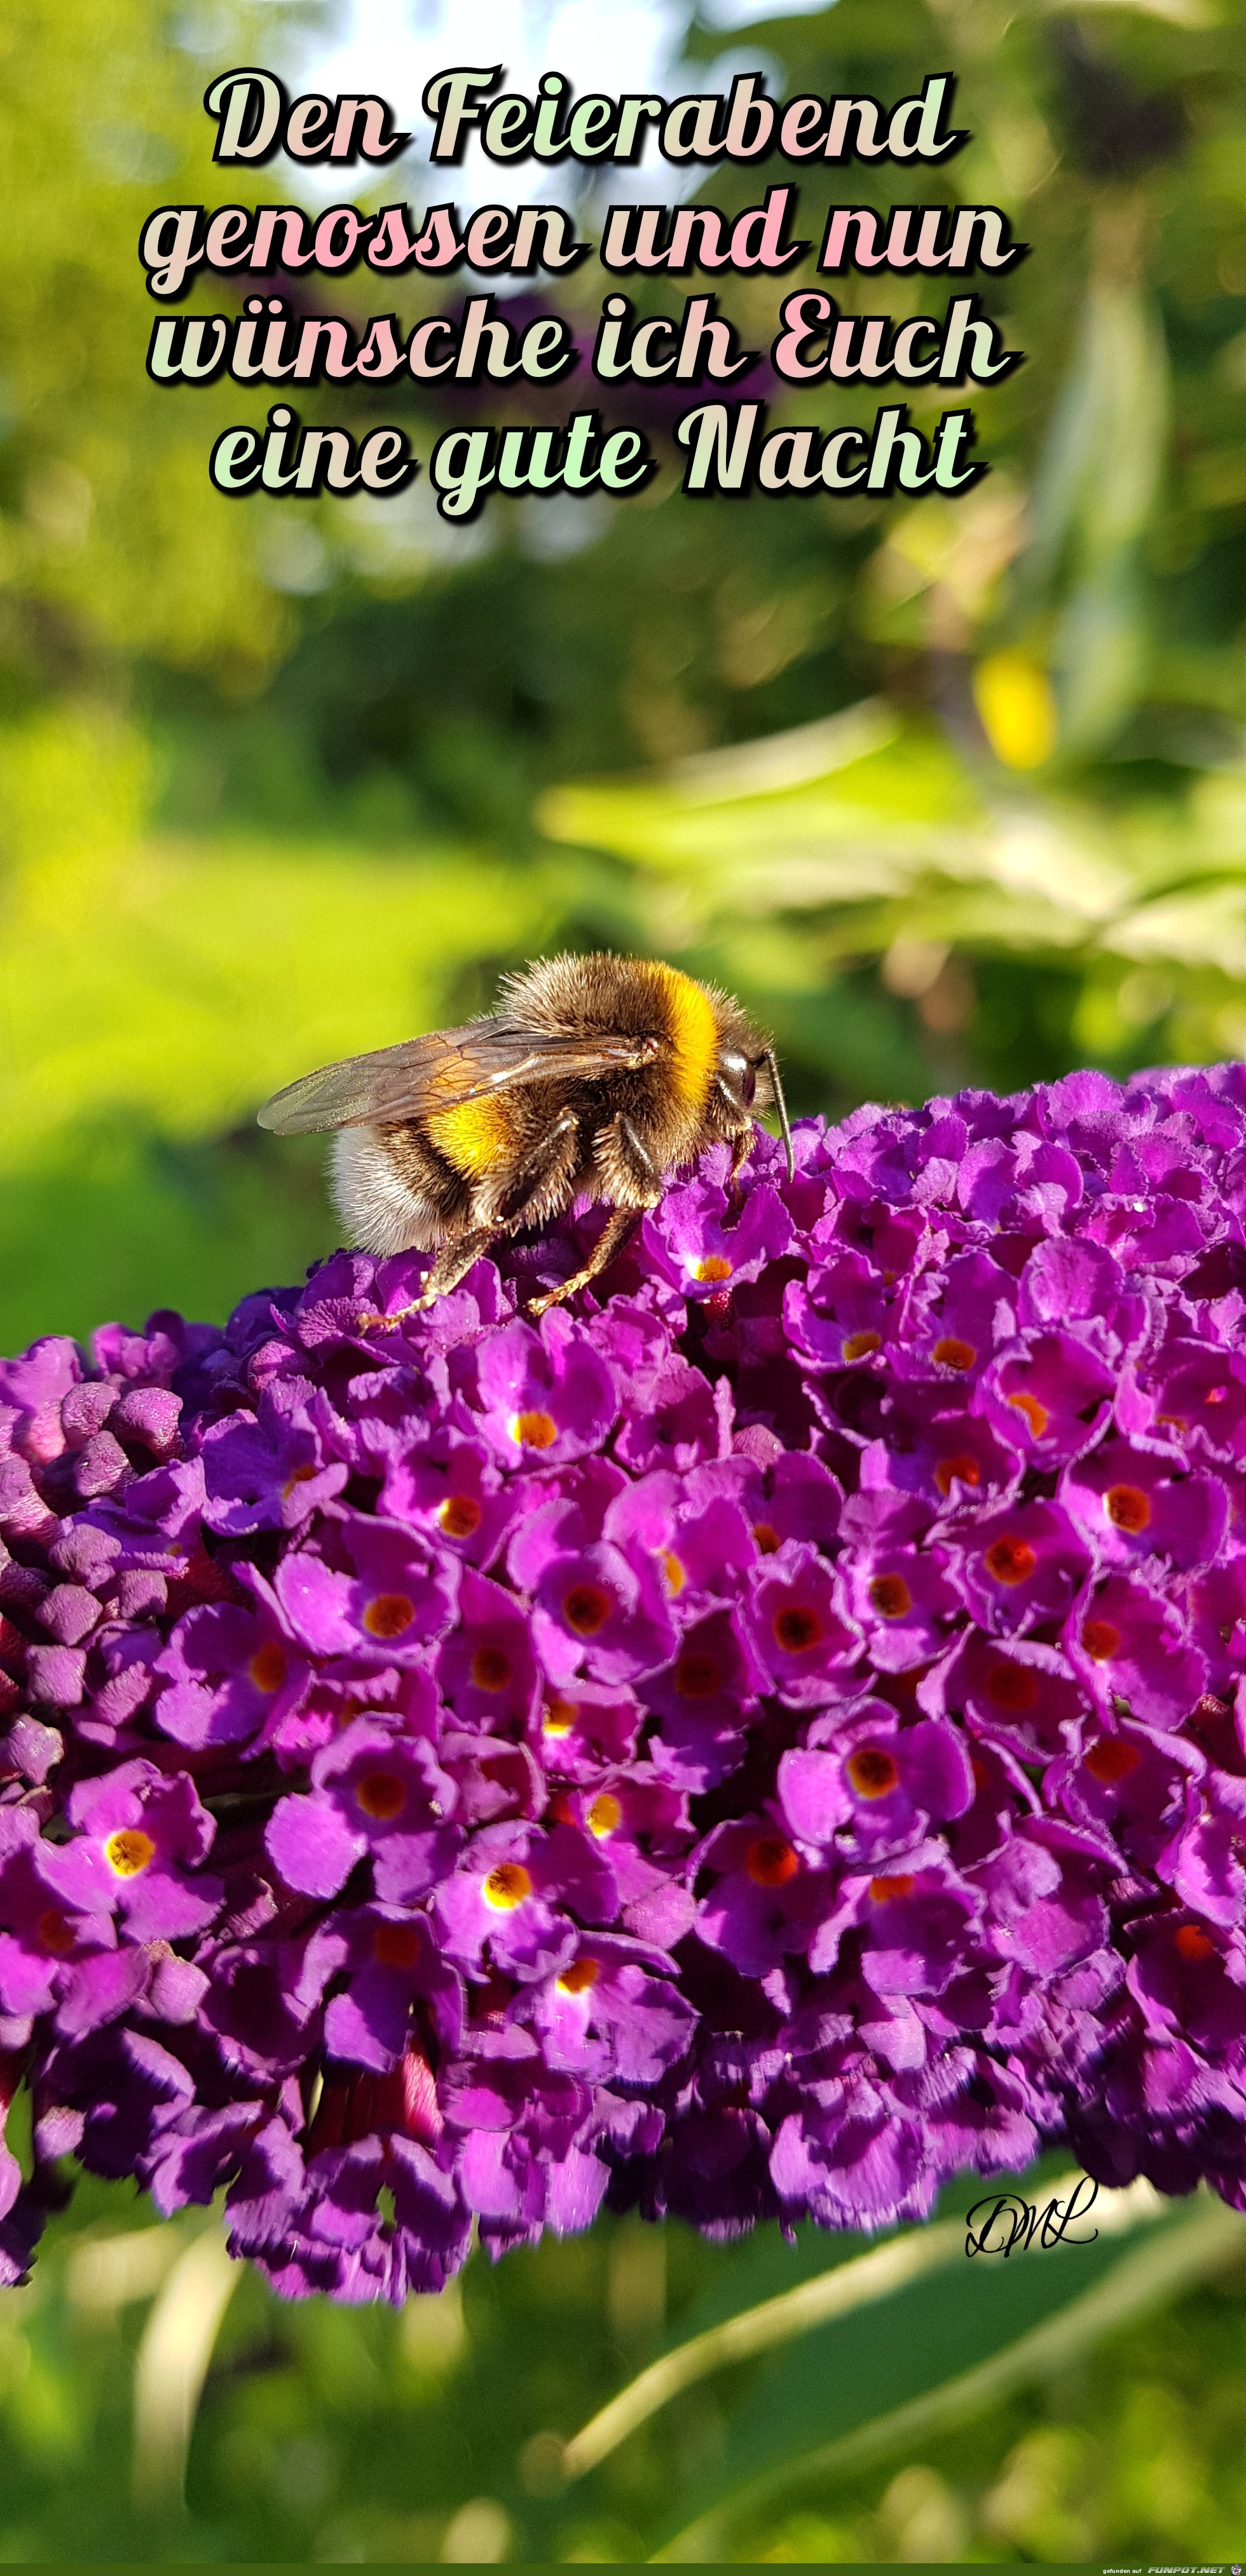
(427, 1074)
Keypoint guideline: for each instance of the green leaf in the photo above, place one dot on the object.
(935, 2351)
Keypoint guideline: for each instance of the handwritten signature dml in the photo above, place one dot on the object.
(1011, 2221)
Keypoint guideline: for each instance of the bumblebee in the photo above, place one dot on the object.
(595, 1077)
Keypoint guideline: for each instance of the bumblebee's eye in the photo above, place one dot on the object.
(748, 1085)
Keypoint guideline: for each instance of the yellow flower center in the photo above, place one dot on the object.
(506, 1886)
(129, 1851)
(581, 1974)
(534, 1430)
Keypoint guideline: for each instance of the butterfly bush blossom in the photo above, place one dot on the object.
(751, 1747)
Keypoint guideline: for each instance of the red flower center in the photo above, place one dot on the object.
(770, 1861)
(396, 1945)
(268, 1667)
(767, 1538)
(891, 1596)
(1101, 1640)
(1112, 1759)
(698, 1674)
(883, 1890)
(872, 1772)
(586, 1608)
(55, 1932)
(1194, 1944)
(964, 1466)
(389, 1614)
(798, 1629)
(1128, 1508)
(491, 1668)
(1013, 1687)
(1010, 1559)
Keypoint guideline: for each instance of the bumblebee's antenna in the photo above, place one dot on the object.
(781, 1105)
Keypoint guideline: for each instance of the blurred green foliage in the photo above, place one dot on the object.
(950, 791)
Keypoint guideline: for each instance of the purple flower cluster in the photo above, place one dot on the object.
(752, 1747)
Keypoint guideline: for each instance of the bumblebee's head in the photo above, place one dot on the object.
(747, 1077)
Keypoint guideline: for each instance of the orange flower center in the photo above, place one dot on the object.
(581, 1974)
(491, 1668)
(1128, 1508)
(382, 1795)
(604, 1816)
(129, 1851)
(871, 1771)
(55, 1932)
(586, 1608)
(712, 1267)
(460, 1516)
(798, 1630)
(268, 1667)
(396, 1945)
(964, 1466)
(858, 1346)
(1010, 1559)
(506, 1886)
(674, 1572)
(767, 1537)
(389, 1614)
(1101, 1640)
(298, 1476)
(698, 1674)
(1036, 1414)
(770, 1861)
(891, 1596)
(1111, 1759)
(534, 1430)
(884, 1889)
(952, 1353)
(559, 1717)
(1012, 1687)
(1194, 1944)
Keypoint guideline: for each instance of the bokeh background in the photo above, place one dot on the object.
(949, 792)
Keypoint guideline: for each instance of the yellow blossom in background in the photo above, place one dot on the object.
(1013, 696)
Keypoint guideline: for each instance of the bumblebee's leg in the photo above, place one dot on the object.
(454, 1259)
(609, 1241)
(539, 1185)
